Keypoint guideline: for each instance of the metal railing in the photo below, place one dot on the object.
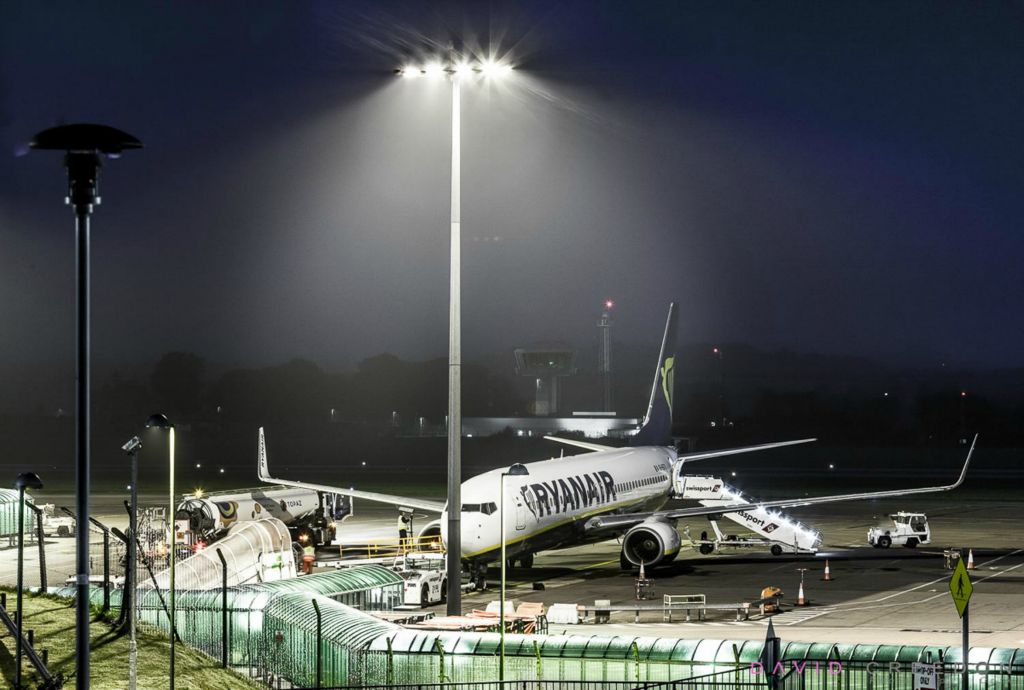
(387, 548)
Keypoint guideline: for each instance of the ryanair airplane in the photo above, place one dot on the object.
(601, 494)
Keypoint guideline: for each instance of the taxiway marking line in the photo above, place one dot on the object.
(946, 577)
(596, 565)
(934, 596)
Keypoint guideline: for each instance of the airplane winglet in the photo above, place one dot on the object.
(967, 463)
(264, 469)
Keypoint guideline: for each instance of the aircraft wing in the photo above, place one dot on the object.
(401, 501)
(603, 522)
(687, 457)
(704, 455)
(579, 444)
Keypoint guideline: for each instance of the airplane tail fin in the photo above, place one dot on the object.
(264, 470)
(657, 426)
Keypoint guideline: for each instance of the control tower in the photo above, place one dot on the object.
(545, 364)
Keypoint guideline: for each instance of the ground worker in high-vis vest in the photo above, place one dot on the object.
(308, 557)
(403, 527)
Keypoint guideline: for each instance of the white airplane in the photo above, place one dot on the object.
(598, 495)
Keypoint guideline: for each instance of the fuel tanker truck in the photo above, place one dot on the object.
(311, 516)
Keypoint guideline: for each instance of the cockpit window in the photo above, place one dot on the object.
(485, 508)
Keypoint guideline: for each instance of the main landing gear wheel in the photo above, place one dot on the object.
(776, 550)
(478, 575)
(526, 561)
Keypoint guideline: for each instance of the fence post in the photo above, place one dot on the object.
(106, 556)
(389, 667)
(319, 646)
(736, 656)
(225, 633)
(771, 655)
(636, 659)
(540, 664)
(41, 539)
(440, 659)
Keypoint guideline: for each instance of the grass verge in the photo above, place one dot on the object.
(54, 623)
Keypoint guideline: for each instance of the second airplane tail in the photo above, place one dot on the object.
(657, 426)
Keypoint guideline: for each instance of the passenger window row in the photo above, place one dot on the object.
(646, 481)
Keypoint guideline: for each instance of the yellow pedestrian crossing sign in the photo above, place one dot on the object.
(960, 587)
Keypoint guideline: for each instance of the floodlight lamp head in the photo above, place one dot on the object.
(159, 421)
(492, 69)
(433, 70)
(133, 445)
(85, 138)
(84, 145)
(28, 480)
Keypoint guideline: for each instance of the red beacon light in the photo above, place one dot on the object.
(608, 304)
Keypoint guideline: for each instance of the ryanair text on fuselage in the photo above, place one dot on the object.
(570, 493)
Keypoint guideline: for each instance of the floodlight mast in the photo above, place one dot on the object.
(456, 70)
(453, 566)
(84, 144)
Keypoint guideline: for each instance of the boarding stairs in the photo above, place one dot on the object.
(773, 526)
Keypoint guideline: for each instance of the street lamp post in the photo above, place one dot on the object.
(516, 470)
(456, 70)
(132, 448)
(160, 421)
(84, 145)
(25, 480)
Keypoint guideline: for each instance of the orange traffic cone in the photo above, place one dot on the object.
(642, 576)
(800, 600)
(970, 559)
(828, 573)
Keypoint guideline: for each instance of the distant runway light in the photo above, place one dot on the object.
(364, 463)
(222, 470)
(734, 473)
(410, 72)
(831, 466)
(198, 465)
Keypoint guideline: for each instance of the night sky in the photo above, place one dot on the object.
(825, 177)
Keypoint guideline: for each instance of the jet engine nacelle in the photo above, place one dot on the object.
(431, 530)
(652, 542)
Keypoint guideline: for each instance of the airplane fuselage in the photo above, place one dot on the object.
(549, 507)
